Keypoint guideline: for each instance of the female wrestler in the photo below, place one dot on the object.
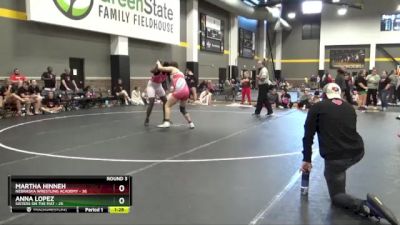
(180, 93)
(154, 87)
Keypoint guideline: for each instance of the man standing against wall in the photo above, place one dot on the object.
(341, 147)
(49, 79)
(263, 88)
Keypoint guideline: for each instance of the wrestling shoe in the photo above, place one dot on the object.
(146, 123)
(166, 124)
(398, 117)
(379, 210)
(191, 125)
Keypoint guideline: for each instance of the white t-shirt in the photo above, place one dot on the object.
(264, 76)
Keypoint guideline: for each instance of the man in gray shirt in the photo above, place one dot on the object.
(373, 83)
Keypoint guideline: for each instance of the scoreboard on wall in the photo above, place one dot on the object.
(247, 45)
(211, 34)
(70, 194)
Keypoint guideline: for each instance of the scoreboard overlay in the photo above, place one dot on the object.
(70, 194)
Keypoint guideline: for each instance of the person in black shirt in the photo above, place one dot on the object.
(51, 104)
(23, 92)
(49, 79)
(334, 120)
(68, 82)
(192, 83)
(361, 87)
(36, 98)
(121, 92)
(11, 96)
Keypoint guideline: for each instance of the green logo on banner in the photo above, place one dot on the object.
(74, 9)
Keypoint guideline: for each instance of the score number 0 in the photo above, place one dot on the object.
(121, 200)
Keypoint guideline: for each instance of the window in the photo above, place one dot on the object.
(311, 31)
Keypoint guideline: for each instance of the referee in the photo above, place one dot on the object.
(263, 88)
(340, 145)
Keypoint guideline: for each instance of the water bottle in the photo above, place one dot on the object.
(106, 103)
(305, 178)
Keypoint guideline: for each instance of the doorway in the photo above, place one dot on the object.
(77, 66)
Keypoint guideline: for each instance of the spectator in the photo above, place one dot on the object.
(23, 92)
(313, 82)
(121, 92)
(316, 98)
(384, 90)
(67, 82)
(304, 100)
(202, 86)
(36, 98)
(2, 95)
(11, 96)
(286, 99)
(205, 97)
(137, 97)
(192, 83)
(340, 80)
(361, 87)
(246, 89)
(372, 84)
(229, 90)
(51, 104)
(49, 79)
(273, 97)
(394, 79)
(349, 87)
(16, 76)
(326, 79)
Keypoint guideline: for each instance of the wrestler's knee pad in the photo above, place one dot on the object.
(183, 110)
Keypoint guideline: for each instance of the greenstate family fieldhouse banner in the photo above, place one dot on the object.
(154, 20)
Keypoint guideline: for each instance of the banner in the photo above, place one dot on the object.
(348, 58)
(153, 20)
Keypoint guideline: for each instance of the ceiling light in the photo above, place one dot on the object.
(335, 1)
(398, 7)
(342, 11)
(291, 15)
(312, 7)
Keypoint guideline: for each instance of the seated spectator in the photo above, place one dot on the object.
(304, 100)
(316, 98)
(137, 97)
(121, 92)
(49, 79)
(273, 97)
(286, 100)
(67, 82)
(16, 76)
(51, 104)
(145, 97)
(202, 86)
(205, 97)
(23, 92)
(36, 98)
(229, 90)
(11, 97)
